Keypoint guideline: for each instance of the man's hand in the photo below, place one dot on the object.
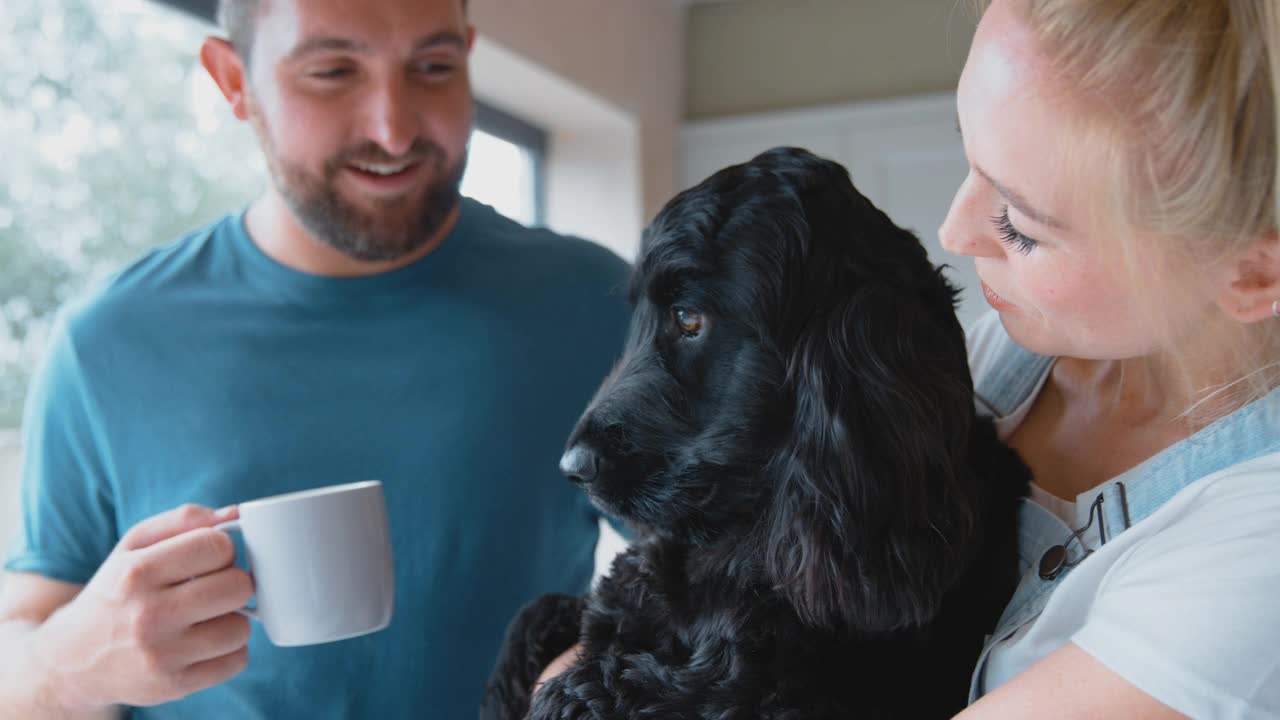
(157, 621)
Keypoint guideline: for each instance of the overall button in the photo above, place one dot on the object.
(1052, 562)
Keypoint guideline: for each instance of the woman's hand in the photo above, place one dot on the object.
(566, 660)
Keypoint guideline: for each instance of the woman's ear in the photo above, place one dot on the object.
(1251, 288)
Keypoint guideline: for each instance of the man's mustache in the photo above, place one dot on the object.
(373, 154)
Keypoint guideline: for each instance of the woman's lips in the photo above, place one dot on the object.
(995, 301)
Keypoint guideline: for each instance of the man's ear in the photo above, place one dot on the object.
(1253, 281)
(223, 64)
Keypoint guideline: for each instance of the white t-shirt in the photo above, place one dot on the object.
(1185, 605)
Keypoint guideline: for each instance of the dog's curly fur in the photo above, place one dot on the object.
(825, 528)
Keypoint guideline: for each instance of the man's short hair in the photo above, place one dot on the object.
(238, 19)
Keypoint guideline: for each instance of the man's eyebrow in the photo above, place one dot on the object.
(319, 43)
(1021, 203)
(441, 37)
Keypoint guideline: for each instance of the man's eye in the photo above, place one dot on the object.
(329, 73)
(434, 68)
(690, 322)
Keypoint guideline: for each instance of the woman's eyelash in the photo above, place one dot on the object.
(1010, 236)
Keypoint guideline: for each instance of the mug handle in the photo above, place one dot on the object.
(234, 526)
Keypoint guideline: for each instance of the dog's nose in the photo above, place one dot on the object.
(580, 464)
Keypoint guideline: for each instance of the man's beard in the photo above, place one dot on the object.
(394, 227)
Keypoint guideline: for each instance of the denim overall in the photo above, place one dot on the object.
(1126, 500)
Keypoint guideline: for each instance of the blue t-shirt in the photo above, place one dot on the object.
(209, 373)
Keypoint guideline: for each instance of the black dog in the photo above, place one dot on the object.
(825, 528)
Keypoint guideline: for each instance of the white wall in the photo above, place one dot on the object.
(593, 168)
(763, 55)
(606, 78)
(905, 155)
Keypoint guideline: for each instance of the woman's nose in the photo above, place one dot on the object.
(967, 229)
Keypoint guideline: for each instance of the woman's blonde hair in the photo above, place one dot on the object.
(1189, 91)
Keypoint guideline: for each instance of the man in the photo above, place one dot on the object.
(358, 321)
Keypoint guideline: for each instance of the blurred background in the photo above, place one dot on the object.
(591, 114)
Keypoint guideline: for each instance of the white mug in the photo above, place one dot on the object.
(321, 562)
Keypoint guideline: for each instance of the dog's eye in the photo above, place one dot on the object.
(690, 322)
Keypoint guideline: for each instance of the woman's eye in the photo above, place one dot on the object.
(690, 322)
(1010, 235)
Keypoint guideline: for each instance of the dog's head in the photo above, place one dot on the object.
(795, 382)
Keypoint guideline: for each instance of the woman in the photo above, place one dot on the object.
(1121, 207)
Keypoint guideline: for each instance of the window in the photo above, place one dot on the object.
(502, 174)
(115, 140)
(506, 166)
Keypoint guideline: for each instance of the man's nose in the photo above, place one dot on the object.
(392, 118)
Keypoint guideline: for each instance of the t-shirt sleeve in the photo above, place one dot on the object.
(1191, 615)
(68, 522)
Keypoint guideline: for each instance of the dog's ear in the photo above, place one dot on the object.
(874, 507)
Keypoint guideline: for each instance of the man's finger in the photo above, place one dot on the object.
(213, 672)
(213, 595)
(175, 522)
(190, 555)
(217, 637)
